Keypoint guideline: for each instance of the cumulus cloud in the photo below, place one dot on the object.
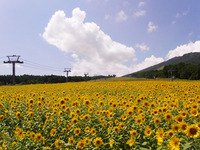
(149, 61)
(151, 27)
(93, 51)
(184, 49)
(142, 47)
(140, 4)
(139, 13)
(121, 16)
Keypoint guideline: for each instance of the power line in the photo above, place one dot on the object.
(40, 66)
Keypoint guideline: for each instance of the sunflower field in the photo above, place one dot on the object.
(120, 115)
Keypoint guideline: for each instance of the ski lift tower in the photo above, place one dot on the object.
(13, 59)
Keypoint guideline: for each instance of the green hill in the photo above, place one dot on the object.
(190, 58)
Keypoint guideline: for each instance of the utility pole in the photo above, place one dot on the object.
(67, 70)
(171, 74)
(85, 74)
(13, 59)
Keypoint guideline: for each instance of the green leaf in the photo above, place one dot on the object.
(143, 148)
(187, 145)
(145, 143)
(159, 148)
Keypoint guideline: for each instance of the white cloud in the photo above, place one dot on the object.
(183, 49)
(190, 34)
(121, 16)
(92, 50)
(140, 4)
(151, 27)
(173, 22)
(182, 14)
(107, 16)
(142, 47)
(139, 13)
(149, 61)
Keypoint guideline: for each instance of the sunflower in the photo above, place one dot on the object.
(64, 130)
(116, 121)
(60, 113)
(130, 142)
(87, 129)
(18, 114)
(69, 125)
(87, 140)
(147, 131)
(110, 115)
(78, 111)
(81, 144)
(62, 102)
(116, 129)
(157, 121)
(183, 126)
(59, 121)
(198, 125)
(71, 141)
(63, 106)
(111, 142)
(133, 133)
(53, 132)
(68, 110)
(159, 136)
(47, 148)
(179, 118)
(74, 121)
(91, 109)
(104, 124)
(93, 131)
(77, 131)
(124, 116)
(14, 144)
(175, 127)
(86, 117)
(38, 137)
(98, 141)
(130, 112)
(184, 113)
(58, 143)
(86, 102)
(138, 120)
(122, 125)
(170, 133)
(1, 117)
(101, 119)
(192, 131)
(32, 134)
(194, 112)
(168, 116)
(174, 143)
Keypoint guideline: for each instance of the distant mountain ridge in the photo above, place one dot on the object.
(189, 58)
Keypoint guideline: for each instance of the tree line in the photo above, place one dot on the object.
(36, 79)
(180, 70)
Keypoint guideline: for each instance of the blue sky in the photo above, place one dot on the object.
(96, 36)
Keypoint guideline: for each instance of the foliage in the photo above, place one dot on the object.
(34, 79)
(180, 70)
